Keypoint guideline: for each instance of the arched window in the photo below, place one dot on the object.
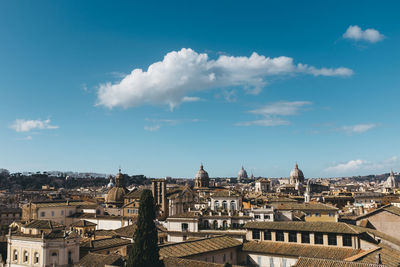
(26, 256)
(233, 204)
(225, 225)
(206, 225)
(15, 253)
(215, 224)
(36, 258)
(216, 204)
(224, 205)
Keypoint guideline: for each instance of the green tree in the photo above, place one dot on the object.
(227, 264)
(145, 251)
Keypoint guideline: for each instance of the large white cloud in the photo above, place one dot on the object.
(182, 73)
(21, 125)
(354, 32)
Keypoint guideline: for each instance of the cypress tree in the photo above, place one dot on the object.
(145, 251)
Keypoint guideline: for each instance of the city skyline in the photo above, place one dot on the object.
(160, 89)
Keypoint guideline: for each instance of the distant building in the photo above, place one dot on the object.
(242, 175)
(263, 185)
(201, 180)
(115, 196)
(42, 243)
(296, 176)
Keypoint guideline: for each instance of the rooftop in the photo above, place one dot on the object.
(307, 262)
(299, 250)
(326, 227)
(189, 248)
(100, 260)
(304, 206)
(43, 224)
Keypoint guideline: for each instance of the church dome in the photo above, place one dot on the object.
(110, 184)
(201, 174)
(116, 195)
(391, 181)
(242, 174)
(296, 175)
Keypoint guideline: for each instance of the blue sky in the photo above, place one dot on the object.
(261, 84)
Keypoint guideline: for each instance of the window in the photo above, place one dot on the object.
(308, 214)
(232, 204)
(317, 214)
(52, 213)
(231, 255)
(42, 214)
(26, 256)
(70, 261)
(36, 258)
(54, 254)
(185, 226)
(266, 217)
(331, 214)
(267, 235)
(271, 262)
(347, 242)
(318, 238)
(292, 236)
(224, 205)
(257, 216)
(259, 260)
(305, 237)
(15, 255)
(70, 212)
(256, 234)
(216, 204)
(62, 212)
(213, 259)
(224, 258)
(332, 240)
(283, 262)
(279, 236)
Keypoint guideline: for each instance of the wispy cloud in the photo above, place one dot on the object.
(272, 113)
(360, 166)
(358, 128)
(152, 128)
(186, 72)
(158, 123)
(26, 138)
(21, 125)
(281, 108)
(354, 32)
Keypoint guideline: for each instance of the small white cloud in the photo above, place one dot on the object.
(354, 32)
(351, 165)
(21, 125)
(360, 166)
(152, 128)
(358, 128)
(182, 73)
(272, 113)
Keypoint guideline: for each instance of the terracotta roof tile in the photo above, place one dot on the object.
(299, 250)
(198, 246)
